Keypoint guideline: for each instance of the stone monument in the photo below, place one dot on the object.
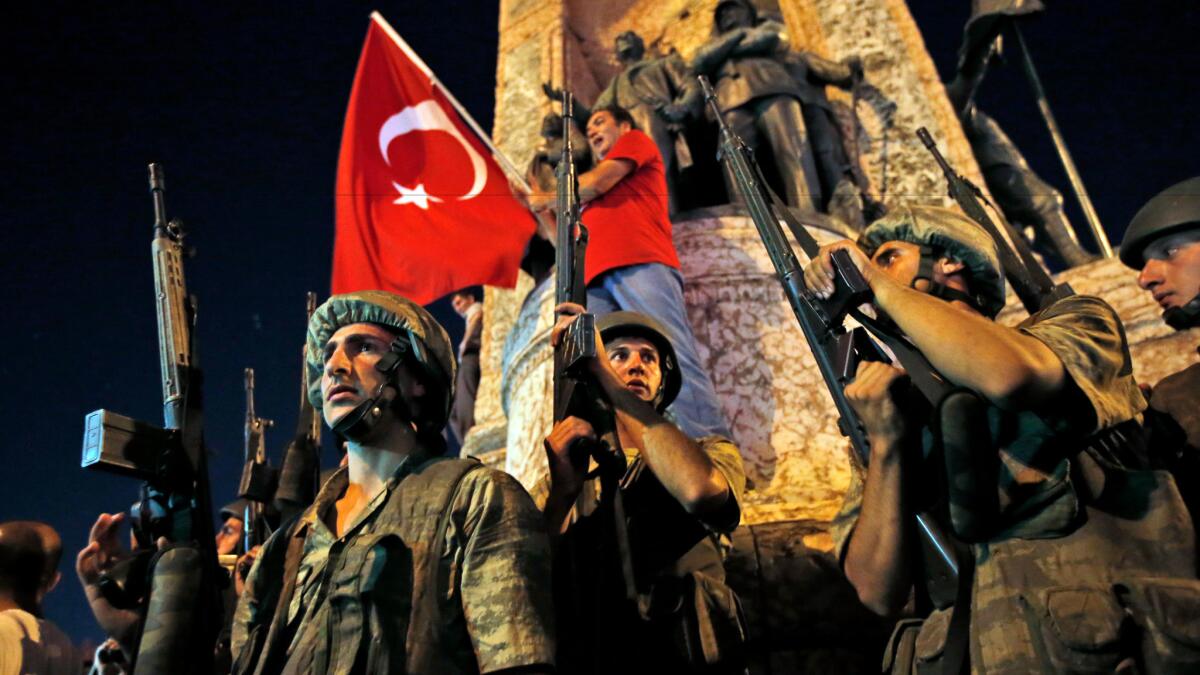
(803, 616)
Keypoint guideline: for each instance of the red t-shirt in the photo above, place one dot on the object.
(628, 225)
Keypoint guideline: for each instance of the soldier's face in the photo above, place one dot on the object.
(732, 16)
(229, 535)
(637, 362)
(603, 132)
(900, 260)
(1172, 271)
(350, 377)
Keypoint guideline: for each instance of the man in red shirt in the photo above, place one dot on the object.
(631, 262)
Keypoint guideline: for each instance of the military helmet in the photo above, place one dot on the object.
(234, 509)
(955, 235)
(1175, 209)
(635, 324)
(427, 343)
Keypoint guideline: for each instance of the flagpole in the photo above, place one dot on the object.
(466, 116)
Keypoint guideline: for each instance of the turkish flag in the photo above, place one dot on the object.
(422, 208)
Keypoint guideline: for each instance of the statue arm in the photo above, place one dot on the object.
(765, 39)
(712, 54)
(838, 73)
(688, 97)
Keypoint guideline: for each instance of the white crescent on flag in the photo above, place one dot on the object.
(428, 116)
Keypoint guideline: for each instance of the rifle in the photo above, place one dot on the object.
(575, 393)
(301, 469)
(259, 478)
(177, 586)
(1030, 281)
(836, 350)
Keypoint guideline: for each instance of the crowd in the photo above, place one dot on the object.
(1081, 550)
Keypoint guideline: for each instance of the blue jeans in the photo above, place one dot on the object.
(657, 291)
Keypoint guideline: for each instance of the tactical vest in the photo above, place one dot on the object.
(387, 609)
(1119, 589)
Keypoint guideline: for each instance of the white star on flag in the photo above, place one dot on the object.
(416, 196)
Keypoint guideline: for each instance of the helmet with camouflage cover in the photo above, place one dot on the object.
(635, 324)
(1173, 210)
(422, 342)
(943, 232)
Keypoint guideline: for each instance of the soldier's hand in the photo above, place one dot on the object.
(819, 275)
(102, 551)
(872, 395)
(241, 570)
(567, 457)
(566, 313)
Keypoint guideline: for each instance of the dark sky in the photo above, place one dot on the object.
(243, 105)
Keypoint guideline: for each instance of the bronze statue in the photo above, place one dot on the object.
(660, 93)
(775, 99)
(1026, 200)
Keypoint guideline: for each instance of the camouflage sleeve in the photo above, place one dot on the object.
(728, 460)
(505, 573)
(247, 608)
(1087, 336)
(845, 520)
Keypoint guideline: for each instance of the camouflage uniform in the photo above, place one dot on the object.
(1054, 587)
(670, 548)
(361, 602)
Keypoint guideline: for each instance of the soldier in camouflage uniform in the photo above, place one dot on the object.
(680, 496)
(1163, 244)
(407, 561)
(1083, 563)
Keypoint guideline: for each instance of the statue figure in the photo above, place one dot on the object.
(540, 173)
(660, 93)
(775, 99)
(1026, 200)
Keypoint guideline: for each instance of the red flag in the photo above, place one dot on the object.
(422, 207)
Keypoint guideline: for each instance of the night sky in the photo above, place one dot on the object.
(243, 106)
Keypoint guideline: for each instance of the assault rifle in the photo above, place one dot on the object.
(301, 468)
(575, 393)
(176, 586)
(836, 350)
(259, 478)
(1029, 279)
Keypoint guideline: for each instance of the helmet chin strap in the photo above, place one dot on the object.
(1183, 318)
(358, 424)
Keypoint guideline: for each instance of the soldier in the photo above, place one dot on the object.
(679, 495)
(1163, 243)
(762, 102)
(1063, 525)
(406, 561)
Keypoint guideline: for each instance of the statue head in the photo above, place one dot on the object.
(733, 14)
(629, 47)
(552, 125)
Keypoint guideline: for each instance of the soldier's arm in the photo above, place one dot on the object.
(679, 463)
(877, 559)
(1011, 370)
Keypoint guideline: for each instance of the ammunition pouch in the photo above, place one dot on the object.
(1101, 628)
(917, 646)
